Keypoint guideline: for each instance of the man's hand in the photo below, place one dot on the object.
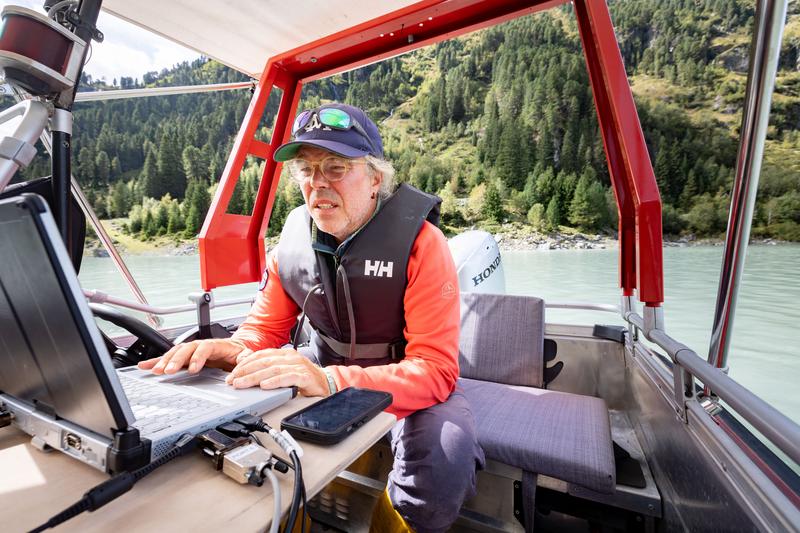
(271, 369)
(220, 353)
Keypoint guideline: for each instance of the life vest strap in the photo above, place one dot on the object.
(378, 350)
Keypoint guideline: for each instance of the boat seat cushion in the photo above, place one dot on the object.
(562, 435)
(502, 338)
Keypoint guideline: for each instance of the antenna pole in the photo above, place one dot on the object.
(83, 23)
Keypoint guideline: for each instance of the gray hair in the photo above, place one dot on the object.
(388, 172)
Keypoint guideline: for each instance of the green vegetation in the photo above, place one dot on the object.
(500, 123)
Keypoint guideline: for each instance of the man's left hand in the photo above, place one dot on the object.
(275, 368)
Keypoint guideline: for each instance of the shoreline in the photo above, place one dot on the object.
(508, 240)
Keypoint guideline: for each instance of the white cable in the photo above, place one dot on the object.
(276, 499)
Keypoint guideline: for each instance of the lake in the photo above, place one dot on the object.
(764, 355)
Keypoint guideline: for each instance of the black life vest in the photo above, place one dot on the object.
(365, 285)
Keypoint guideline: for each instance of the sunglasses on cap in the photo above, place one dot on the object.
(333, 118)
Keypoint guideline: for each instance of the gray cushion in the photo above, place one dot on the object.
(562, 435)
(502, 338)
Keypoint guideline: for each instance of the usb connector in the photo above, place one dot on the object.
(6, 417)
(246, 464)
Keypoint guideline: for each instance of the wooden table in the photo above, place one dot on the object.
(186, 494)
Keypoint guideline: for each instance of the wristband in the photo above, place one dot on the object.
(332, 388)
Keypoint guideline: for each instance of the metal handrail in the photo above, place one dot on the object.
(764, 52)
(101, 297)
(117, 94)
(608, 308)
(774, 425)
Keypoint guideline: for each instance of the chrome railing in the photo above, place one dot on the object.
(118, 94)
(764, 54)
(774, 425)
(583, 306)
(101, 297)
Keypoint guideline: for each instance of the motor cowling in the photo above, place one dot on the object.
(479, 264)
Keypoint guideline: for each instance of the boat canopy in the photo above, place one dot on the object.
(244, 34)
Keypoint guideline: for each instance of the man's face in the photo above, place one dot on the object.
(340, 207)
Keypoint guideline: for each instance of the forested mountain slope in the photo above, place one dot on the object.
(500, 123)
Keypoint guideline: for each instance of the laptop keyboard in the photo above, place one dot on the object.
(156, 407)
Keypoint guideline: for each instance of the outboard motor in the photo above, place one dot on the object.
(478, 263)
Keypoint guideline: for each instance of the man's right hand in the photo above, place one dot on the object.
(219, 353)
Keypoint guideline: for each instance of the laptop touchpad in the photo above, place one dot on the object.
(208, 382)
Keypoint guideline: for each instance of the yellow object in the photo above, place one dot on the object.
(298, 524)
(385, 519)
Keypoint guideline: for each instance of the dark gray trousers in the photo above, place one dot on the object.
(436, 456)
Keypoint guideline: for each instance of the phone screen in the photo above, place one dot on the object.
(335, 411)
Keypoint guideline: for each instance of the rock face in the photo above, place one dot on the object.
(517, 237)
(735, 59)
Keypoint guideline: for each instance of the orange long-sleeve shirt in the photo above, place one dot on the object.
(427, 375)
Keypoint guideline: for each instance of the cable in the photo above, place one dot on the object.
(299, 329)
(297, 493)
(276, 498)
(288, 444)
(55, 9)
(118, 485)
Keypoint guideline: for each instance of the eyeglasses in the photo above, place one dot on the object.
(333, 118)
(332, 168)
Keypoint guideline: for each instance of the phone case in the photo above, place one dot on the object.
(358, 419)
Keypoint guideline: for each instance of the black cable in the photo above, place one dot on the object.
(118, 485)
(297, 493)
(305, 511)
(299, 329)
(254, 423)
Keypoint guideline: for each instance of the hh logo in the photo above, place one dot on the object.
(378, 268)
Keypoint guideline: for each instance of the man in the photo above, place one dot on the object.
(378, 285)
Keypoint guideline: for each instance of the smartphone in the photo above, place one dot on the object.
(332, 419)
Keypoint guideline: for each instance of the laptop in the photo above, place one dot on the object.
(56, 375)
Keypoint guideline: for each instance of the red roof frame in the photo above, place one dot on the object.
(232, 246)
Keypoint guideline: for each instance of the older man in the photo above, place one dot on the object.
(373, 274)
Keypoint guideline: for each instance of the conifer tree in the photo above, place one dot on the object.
(492, 203)
(508, 165)
(170, 165)
(175, 220)
(236, 204)
(198, 206)
(151, 185)
(192, 159)
(588, 207)
(119, 200)
(86, 169)
(116, 167)
(102, 166)
(553, 214)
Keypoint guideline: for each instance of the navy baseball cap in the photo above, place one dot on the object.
(348, 132)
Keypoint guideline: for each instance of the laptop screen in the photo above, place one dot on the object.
(51, 351)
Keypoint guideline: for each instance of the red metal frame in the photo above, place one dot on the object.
(232, 246)
(635, 188)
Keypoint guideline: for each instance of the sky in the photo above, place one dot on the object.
(127, 50)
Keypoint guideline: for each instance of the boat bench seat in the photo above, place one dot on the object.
(519, 423)
(561, 435)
